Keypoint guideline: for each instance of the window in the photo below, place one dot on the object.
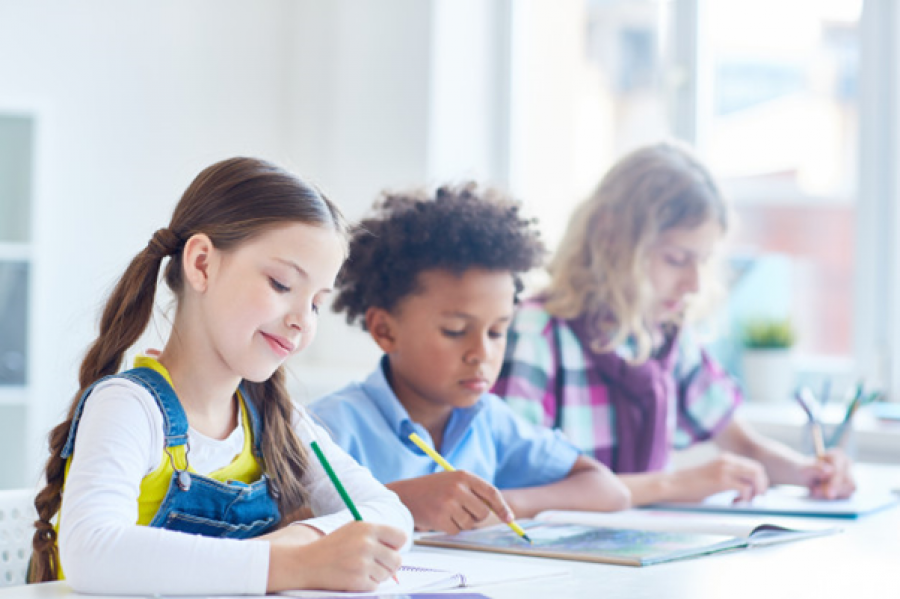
(588, 84)
(782, 136)
(767, 92)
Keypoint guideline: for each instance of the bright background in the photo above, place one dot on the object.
(108, 109)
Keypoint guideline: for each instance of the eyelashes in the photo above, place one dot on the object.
(458, 334)
(281, 288)
(277, 286)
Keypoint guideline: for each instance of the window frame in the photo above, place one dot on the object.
(875, 314)
(876, 298)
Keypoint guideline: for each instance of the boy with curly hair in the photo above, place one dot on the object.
(434, 279)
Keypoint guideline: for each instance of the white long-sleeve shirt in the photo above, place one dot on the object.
(120, 440)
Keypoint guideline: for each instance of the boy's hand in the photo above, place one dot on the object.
(451, 501)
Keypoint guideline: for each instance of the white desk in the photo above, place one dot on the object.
(862, 562)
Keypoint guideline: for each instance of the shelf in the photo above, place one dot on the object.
(13, 395)
(17, 155)
(19, 252)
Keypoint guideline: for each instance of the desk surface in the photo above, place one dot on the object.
(861, 562)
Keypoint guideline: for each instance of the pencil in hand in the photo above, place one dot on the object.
(339, 486)
(818, 440)
(449, 468)
(811, 407)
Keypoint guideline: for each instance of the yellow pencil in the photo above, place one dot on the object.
(449, 468)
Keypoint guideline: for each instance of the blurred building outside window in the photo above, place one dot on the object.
(783, 139)
(774, 115)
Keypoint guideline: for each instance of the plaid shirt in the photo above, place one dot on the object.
(703, 401)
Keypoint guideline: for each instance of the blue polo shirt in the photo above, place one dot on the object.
(369, 422)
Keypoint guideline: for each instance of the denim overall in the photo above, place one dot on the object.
(194, 503)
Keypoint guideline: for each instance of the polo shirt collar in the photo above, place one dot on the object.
(383, 397)
(397, 418)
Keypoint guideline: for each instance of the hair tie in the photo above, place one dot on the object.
(46, 536)
(163, 243)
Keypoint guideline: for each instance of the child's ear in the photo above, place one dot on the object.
(379, 323)
(195, 261)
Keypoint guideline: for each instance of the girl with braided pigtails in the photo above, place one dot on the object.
(181, 473)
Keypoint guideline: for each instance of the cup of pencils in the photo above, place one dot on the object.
(818, 435)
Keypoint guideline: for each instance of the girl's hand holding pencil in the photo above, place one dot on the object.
(360, 555)
(374, 559)
(839, 484)
(356, 557)
(828, 476)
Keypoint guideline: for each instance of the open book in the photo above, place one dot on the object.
(427, 571)
(629, 538)
(790, 500)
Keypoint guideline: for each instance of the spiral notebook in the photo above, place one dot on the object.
(428, 571)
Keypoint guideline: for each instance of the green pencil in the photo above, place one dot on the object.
(340, 488)
(336, 481)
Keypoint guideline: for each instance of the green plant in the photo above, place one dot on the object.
(768, 334)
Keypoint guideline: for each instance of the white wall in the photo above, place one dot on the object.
(133, 99)
(558, 151)
(392, 94)
(359, 123)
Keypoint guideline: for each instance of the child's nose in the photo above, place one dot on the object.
(479, 352)
(299, 318)
(691, 282)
